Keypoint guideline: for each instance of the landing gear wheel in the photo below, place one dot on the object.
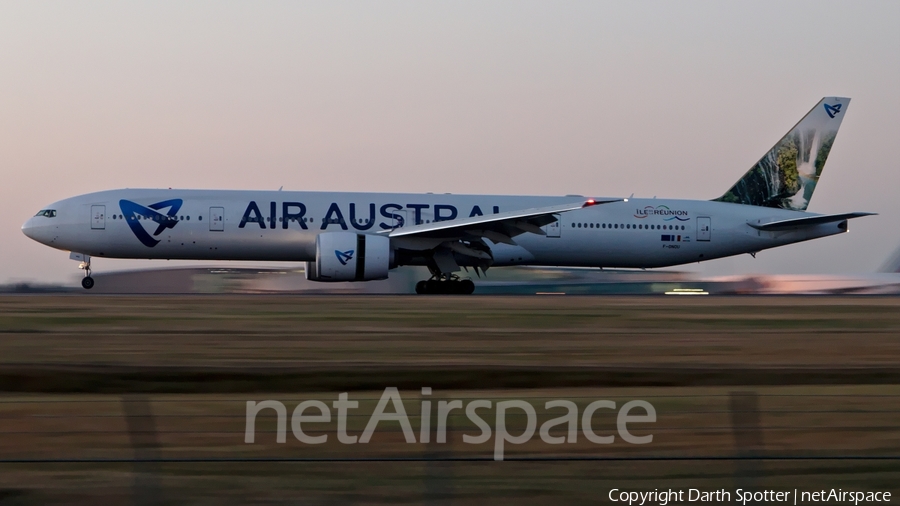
(452, 286)
(87, 282)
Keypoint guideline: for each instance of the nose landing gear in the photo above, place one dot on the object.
(87, 282)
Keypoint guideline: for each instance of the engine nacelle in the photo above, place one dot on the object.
(346, 256)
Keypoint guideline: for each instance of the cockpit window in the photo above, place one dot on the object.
(49, 213)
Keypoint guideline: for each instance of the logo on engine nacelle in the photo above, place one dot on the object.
(344, 256)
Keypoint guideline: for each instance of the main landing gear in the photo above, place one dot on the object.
(87, 282)
(446, 285)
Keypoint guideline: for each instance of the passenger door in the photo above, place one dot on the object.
(216, 219)
(704, 228)
(553, 229)
(98, 217)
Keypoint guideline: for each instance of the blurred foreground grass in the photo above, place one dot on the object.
(824, 368)
(296, 343)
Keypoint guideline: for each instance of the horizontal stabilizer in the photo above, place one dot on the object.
(807, 221)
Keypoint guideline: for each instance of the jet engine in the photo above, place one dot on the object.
(346, 256)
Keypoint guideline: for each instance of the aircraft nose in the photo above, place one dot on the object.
(29, 229)
(35, 230)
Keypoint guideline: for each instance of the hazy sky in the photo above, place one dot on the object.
(674, 99)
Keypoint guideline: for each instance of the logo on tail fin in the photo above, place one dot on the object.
(832, 109)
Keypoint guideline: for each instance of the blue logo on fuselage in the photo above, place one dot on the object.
(135, 213)
(832, 109)
(344, 256)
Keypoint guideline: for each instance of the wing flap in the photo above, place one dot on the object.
(502, 226)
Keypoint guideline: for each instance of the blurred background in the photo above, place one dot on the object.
(504, 97)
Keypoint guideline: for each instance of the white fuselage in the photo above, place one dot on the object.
(282, 226)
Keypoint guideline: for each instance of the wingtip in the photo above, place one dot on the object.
(595, 202)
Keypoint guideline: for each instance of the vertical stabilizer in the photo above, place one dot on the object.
(892, 264)
(786, 176)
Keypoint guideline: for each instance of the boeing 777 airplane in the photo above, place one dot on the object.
(362, 236)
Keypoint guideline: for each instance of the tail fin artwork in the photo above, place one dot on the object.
(787, 175)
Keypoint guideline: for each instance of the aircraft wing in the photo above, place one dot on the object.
(501, 227)
(807, 221)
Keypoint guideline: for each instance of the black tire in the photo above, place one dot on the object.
(467, 287)
(421, 287)
(87, 282)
